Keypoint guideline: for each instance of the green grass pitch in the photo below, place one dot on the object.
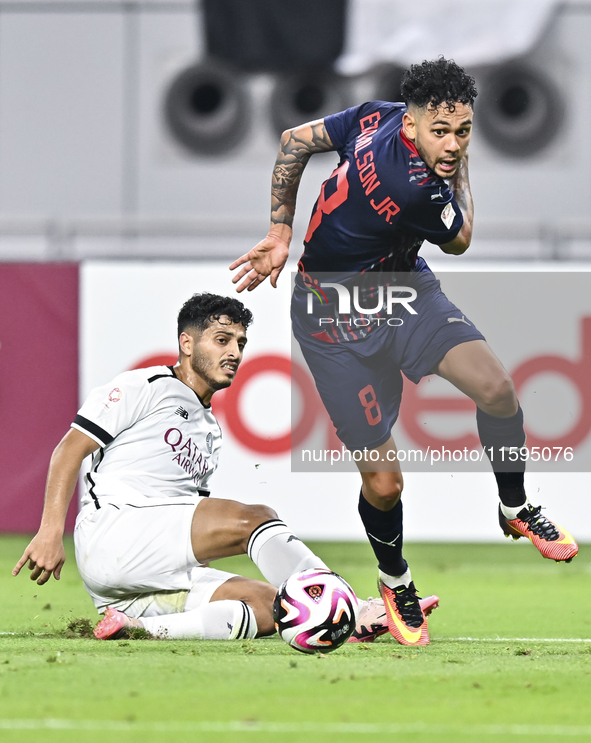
(510, 657)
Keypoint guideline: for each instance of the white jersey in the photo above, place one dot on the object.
(157, 439)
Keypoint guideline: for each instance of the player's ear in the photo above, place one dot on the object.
(409, 124)
(186, 342)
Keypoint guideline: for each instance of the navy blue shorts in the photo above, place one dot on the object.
(360, 381)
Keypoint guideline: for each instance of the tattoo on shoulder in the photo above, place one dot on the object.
(294, 153)
(320, 139)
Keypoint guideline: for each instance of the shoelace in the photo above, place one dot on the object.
(407, 602)
(540, 525)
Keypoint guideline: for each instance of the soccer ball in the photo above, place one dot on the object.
(315, 611)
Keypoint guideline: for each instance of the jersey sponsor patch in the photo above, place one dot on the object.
(447, 215)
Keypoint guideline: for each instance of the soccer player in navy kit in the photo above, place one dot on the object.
(402, 179)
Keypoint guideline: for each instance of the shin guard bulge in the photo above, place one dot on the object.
(499, 437)
(384, 531)
(278, 553)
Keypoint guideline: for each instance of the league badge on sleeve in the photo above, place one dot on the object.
(447, 215)
(114, 396)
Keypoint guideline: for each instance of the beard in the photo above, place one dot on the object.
(204, 368)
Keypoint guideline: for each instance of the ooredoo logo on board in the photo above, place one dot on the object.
(575, 373)
(228, 404)
(418, 414)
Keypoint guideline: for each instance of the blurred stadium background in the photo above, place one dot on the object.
(137, 140)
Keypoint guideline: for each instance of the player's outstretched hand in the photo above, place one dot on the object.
(266, 259)
(46, 555)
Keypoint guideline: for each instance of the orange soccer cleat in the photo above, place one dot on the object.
(552, 540)
(372, 620)
(404, 615)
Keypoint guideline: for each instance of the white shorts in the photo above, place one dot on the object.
(139, 558)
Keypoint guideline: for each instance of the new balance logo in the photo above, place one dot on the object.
(183, 413)
(459, 319)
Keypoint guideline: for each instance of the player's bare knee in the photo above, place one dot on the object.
(498, 397)
(383, 490)
(253, 516)
(259, 513)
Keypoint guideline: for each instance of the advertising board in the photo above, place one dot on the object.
(128, 318)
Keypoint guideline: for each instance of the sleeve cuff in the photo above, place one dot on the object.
(91, 429)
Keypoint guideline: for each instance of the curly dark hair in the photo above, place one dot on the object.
(436, 82)
(202, 309)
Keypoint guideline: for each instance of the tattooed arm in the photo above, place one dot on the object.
(269, 256)
(297, 146)
(460, 187)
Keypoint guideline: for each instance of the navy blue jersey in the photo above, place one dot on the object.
(382, 201)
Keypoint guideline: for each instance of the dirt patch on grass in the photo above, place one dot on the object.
(84, 627)
(79, 628)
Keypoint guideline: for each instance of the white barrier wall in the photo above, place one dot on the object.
(128, 314)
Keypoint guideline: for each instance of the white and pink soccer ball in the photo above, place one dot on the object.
(315, 611)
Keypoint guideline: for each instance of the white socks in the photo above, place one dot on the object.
(278, 553)
(511, 513)
(218, 620)
(394, 581)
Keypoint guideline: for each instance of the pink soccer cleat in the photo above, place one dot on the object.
(371, 622)
(111, 624)
(429, 604)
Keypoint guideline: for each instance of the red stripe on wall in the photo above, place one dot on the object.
(38, 383)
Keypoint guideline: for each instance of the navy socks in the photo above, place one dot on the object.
(498, 436)
(384, 531)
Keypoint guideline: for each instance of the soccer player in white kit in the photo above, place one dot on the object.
(147, 528)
